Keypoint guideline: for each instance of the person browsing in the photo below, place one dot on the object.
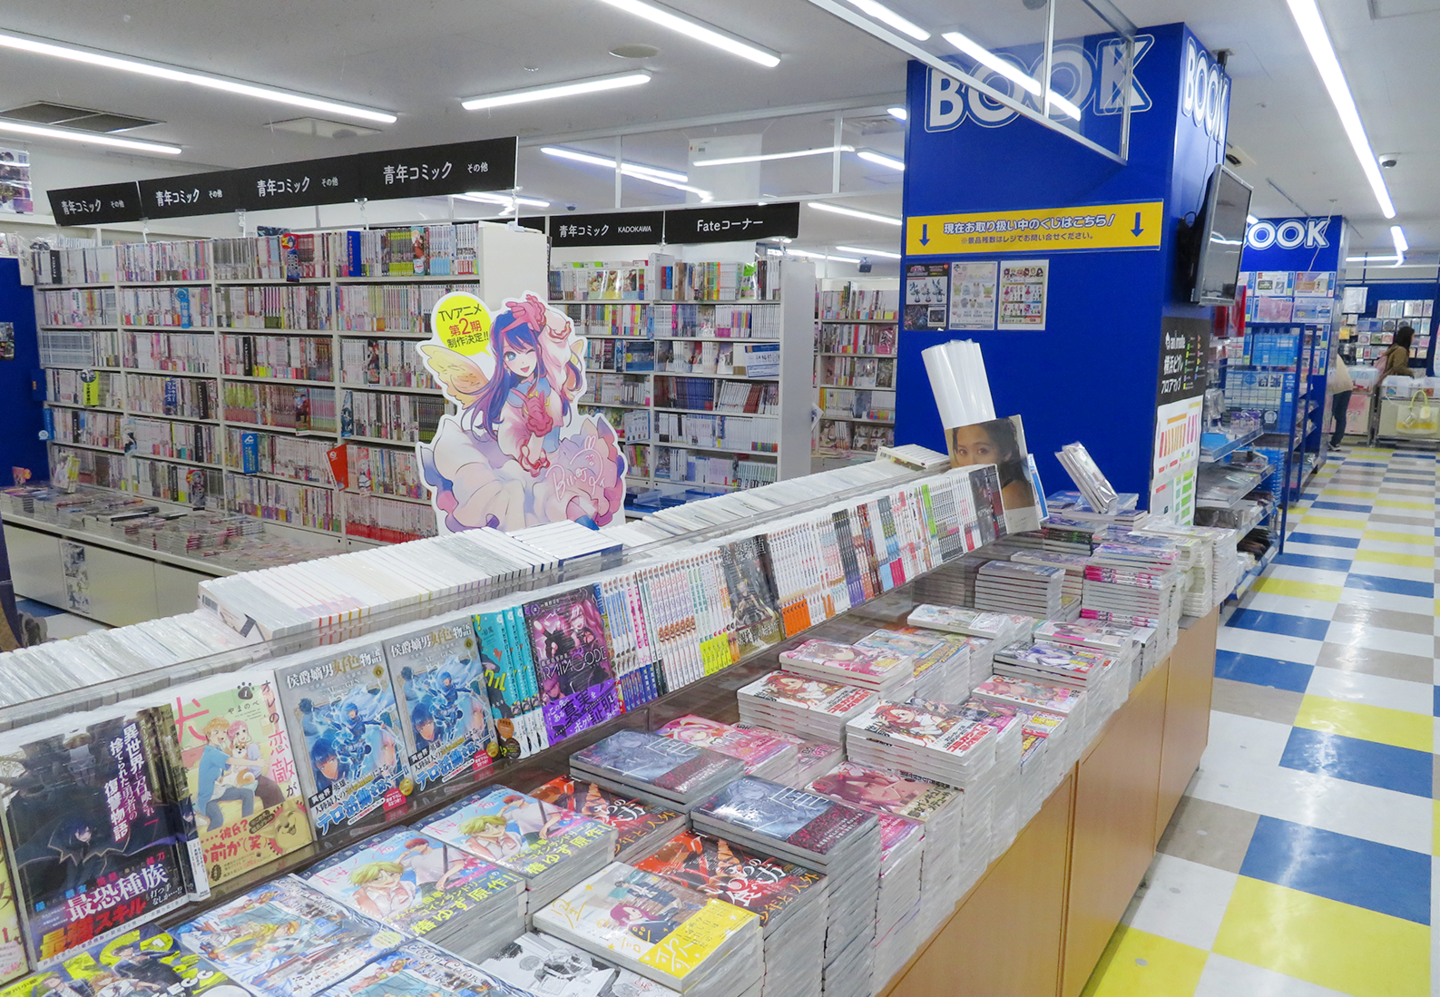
(1340, 387)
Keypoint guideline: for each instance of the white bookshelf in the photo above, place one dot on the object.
(857, 333)
(773, 444)
(297, 492)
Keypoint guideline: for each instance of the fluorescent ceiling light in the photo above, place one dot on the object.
(134, 145)
(697, 30)
(1317, 39)
(897, 112)
(1028, 83)
(1401, 245)
(769, 156)
(882, 160)
(485, 197)
(101, 59)
(1372, 259)
(665, 178)
(852, 213)
(883, 253)
(595, 84)
(821, 256)
(883, 13)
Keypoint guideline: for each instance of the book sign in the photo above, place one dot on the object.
(518, 453)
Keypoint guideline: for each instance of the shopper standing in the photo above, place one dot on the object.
(1396, 361)
(1339, 386)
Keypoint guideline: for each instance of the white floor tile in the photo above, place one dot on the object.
(1314, 576)
(1247, 740)
(1281, 646)
(1319, 550)
(1381, 639)
(1226, 977)
(1267, 602)
(1185, 901)
(1368, 599)
(1297, 523)
(1424, 545)
(1361, 811)
(1404, 572)
(1373, 690)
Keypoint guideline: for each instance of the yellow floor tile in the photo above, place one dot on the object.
(1346, 524)
(1397, 504)
(1393, 537)
(1435, 835)
(1300, 590)
(1349, 949)
(1371, 723)
(1349, 493)
(1139, 964)
(1385, 557)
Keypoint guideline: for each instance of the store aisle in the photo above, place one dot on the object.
(1300, 861)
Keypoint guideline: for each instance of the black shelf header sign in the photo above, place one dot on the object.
(618, 228)
(746, 223)
(428, 171)
(97, 205)
(1184, 347)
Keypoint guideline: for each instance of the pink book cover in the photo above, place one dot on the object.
(910, 723)
(789, 689)
(1037, 694)
(751, 747)
(874, 663)
(884, 791)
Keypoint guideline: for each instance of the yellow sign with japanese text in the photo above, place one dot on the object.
(1092, 226)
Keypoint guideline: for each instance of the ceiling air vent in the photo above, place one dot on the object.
(321, 128)
(86, 119)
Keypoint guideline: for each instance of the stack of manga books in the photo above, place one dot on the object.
(1072, 563)
(655, 768)
(285, 939)
(550, 847)
(942, 663)
(538, 965)
(1011, 586)
(416, 969)
(140, 961)
(1028, 695)
(1065, 664)
(971, 622)
(417, 884)
(939, 808)
(1195, 547)
(663, 931)
(639, 827)
(897, 898)
(1049, 753)
(99, 831)
(811, 758)
(880, 670)
(799, 705)
(788, 899)
(1133, 581)
(764, 756)
(839, 841)
(946, 748)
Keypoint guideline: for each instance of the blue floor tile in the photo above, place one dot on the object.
(1395, 586)
(1437, 700)
(1354, 760)
(1367, 874)
(1320, 539)
(1310, 561)
(1281, 623)
(1367, 463)
(1343, 506)
(1259, 670)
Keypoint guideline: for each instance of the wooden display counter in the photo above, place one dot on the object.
(1039, 919)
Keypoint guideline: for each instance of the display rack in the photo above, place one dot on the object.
(206, 359)
(701, 368)
(857, 329)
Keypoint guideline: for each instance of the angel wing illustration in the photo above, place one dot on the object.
(462, 377)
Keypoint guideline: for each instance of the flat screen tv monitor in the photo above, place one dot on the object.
(1220, 231)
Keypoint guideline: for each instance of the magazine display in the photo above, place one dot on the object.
(656, 768)
(549, 846)
(416, 969)
(638, 826)
(240, 773)
(544, 966)
(572, 662)
(344, 708)
(417, 884)
(94, 826)
(764, 756)
(285, 939)
(439, 680)
(660, 930)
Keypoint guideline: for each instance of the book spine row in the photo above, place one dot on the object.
(291, 358)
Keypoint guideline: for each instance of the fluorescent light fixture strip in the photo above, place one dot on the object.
(665, 178)
(882, 253)
(574, 88)
(885, 15)
(880, 159)
(134, 145)
(486, 197)
(1322, 52)
(701, 32)
(771, 156)
(852, 213)
(37, 47)
(821, 256)
(898, 112)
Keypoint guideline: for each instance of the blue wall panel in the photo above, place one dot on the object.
(20, 414)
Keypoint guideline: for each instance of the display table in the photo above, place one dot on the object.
(1039, 919)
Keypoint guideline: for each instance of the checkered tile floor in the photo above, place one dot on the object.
(1300, 862)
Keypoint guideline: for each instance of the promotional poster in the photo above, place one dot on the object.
(519, 453)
